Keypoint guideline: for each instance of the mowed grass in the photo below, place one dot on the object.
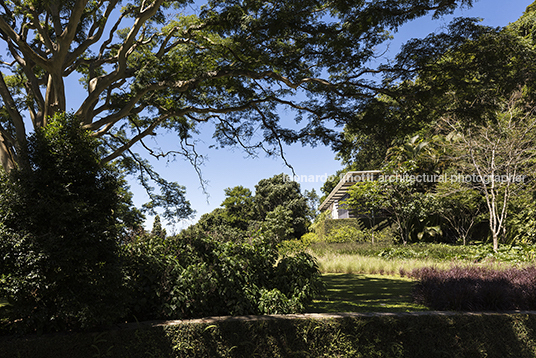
(370, 278)
(366, 293)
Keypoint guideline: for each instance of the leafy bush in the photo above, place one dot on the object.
(274, 301)
(309, 238)
(290, 247)
(277, 225)
(520, 253)
(351, 230)
(58, 236)
(275, 192)
(476, 288)
(324, 225)
(298, 278)
(388, 251)
(195, 275)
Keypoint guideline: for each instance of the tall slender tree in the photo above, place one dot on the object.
(497, 158)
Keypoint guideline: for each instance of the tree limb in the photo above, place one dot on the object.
(14, 113)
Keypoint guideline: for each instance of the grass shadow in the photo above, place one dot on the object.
(366, 293)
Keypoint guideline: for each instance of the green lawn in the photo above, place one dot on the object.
(366, 293)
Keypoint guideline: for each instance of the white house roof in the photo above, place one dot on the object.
(349, 179)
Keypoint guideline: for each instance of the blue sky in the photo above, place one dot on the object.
(230, 167)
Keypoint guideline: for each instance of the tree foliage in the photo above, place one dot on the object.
(239, 207)
(158, 230)
(278, 224)
(277, 208)
(461, 208)
(480, 78)
(400, 200)
(276, 192)
(469, 71)
(147, 65)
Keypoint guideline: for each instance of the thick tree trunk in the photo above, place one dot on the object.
(6, 158)
(55, 96)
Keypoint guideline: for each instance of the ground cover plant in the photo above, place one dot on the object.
(476, 288)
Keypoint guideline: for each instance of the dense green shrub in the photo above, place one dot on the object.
(439, 252)
(278, 225)
(351, 230)
(195, 274)
(348, 234)
(58, 236)
(519, 253)
(289, 247)
(309, 238)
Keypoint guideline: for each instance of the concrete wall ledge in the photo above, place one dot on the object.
(341, 315)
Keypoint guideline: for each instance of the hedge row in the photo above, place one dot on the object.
(430, 335)
(327, 226)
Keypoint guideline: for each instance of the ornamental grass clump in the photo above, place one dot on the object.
(476, 288)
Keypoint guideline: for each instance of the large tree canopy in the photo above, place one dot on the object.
(468, 71)
(470, 82)
(147, 66)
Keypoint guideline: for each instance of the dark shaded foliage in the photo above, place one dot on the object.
(60, 219)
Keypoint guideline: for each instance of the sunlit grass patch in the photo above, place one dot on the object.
(366, 293)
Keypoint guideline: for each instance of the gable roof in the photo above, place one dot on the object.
(349, 179)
